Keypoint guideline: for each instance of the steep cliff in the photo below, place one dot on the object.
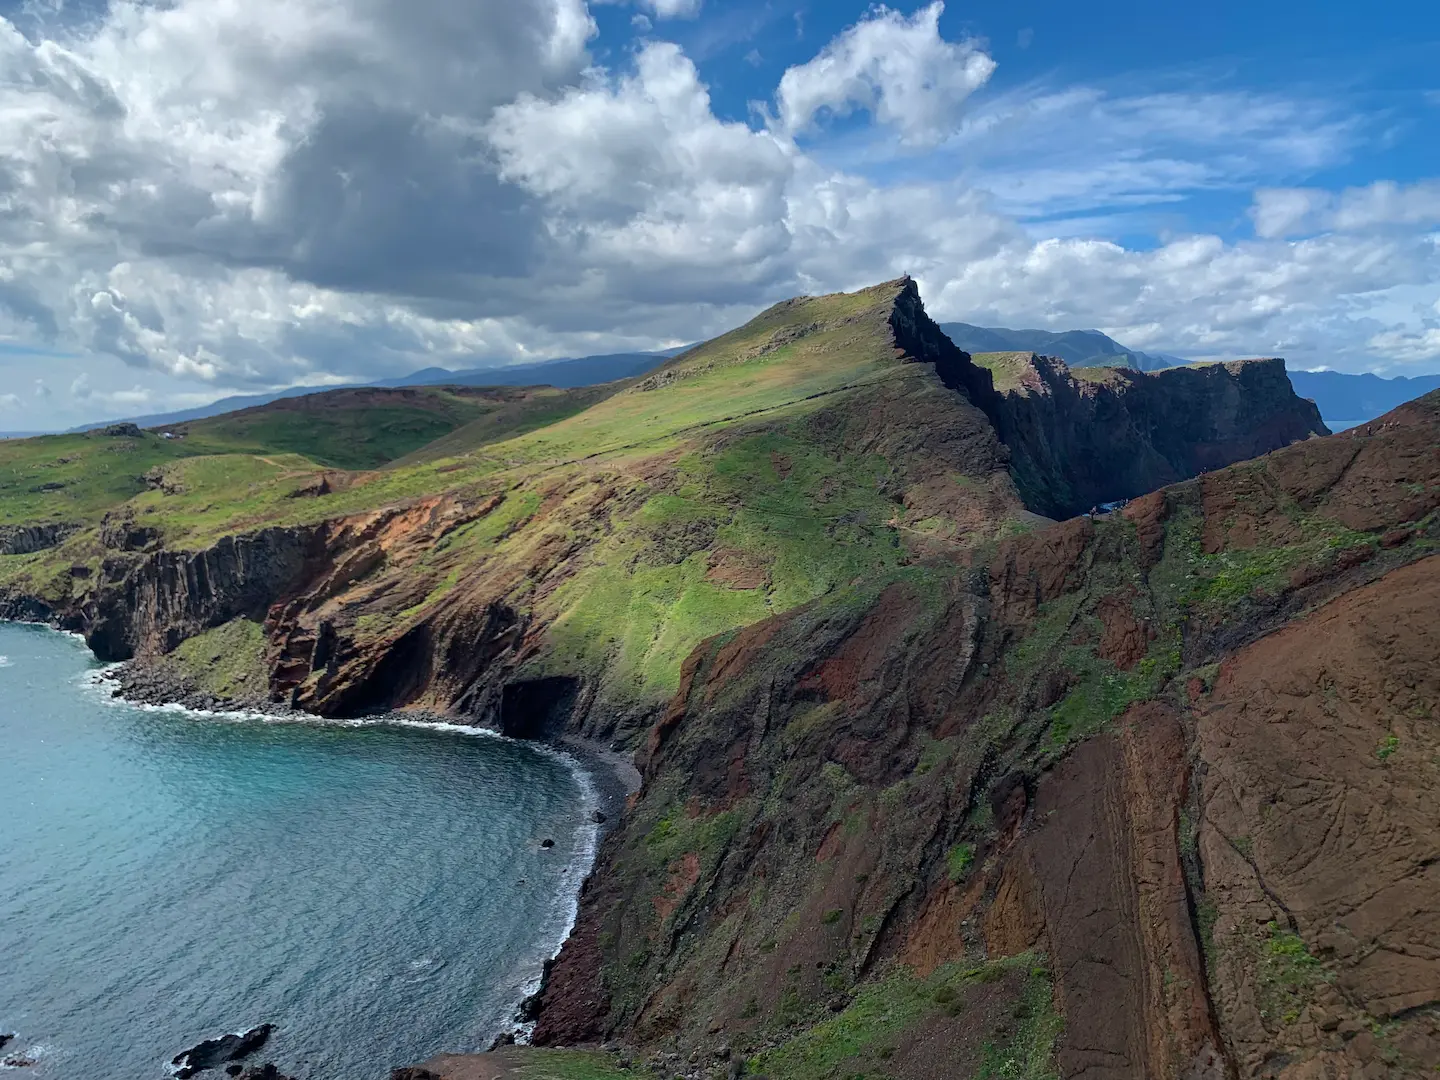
(1179, 765)
(1093, 435)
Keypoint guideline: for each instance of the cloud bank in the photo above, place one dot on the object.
(238, 196)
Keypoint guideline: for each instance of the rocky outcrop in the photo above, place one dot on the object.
(212, 1053)
(28, 539)
(120, 532)
(149, 606)
(1105, 434)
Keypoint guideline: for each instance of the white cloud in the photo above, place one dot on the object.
(1102, 149)
(639, 173)
(205, 194)
(1281, 211)
(1297, 211)
(898, 69)
(674, 9)
(9, 401)
(660, 9)
(42, 391)
(1409, 346)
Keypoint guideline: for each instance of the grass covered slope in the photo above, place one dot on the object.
(75, 478)
(773, 465)
(791, 458)
(370, 427)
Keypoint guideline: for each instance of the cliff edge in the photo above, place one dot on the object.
(1087, 436)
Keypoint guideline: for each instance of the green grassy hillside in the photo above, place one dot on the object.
(75, 478)
(790, 458)
(371, 427)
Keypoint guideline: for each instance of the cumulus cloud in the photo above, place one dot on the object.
(898, 69)
(660, 9)
(335, 144)
(9, 401)
(1296, 211)
(248, 195)
(1409, 346)
(639, 174)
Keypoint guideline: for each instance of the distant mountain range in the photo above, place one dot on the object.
(1340, 396)
(564, 374)
(1078, 348)
(1344, 397)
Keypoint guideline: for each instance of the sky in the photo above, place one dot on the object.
(207, 197)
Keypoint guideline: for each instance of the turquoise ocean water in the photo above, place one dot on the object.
(378, 892)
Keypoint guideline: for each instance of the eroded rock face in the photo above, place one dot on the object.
(1186, 757)
(28, 539)
(168, 596)
(1116, 434)
(1320, 828)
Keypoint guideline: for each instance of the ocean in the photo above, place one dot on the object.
(377, 891)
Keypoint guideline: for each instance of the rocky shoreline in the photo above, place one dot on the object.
(156, 684)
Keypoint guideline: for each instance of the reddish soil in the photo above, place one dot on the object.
(1098, 885)
(1321, 746)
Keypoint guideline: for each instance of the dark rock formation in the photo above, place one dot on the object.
(125, 430)
(216, 1052)
(119, 532)
(28, 539)
(1076, 442)
(172, 595)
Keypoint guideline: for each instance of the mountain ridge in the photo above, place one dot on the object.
(1078, 348)
(799, 573)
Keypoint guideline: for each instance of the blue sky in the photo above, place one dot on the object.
(205, 198)
(1369, 69)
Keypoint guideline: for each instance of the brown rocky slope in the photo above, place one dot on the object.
(1181, 762)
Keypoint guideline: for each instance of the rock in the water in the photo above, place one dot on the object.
(547, 843)
(598, 817)
(505, 1038)
(215, 1052)
(5, 1040)
(18, 1062)
(234, 1070)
